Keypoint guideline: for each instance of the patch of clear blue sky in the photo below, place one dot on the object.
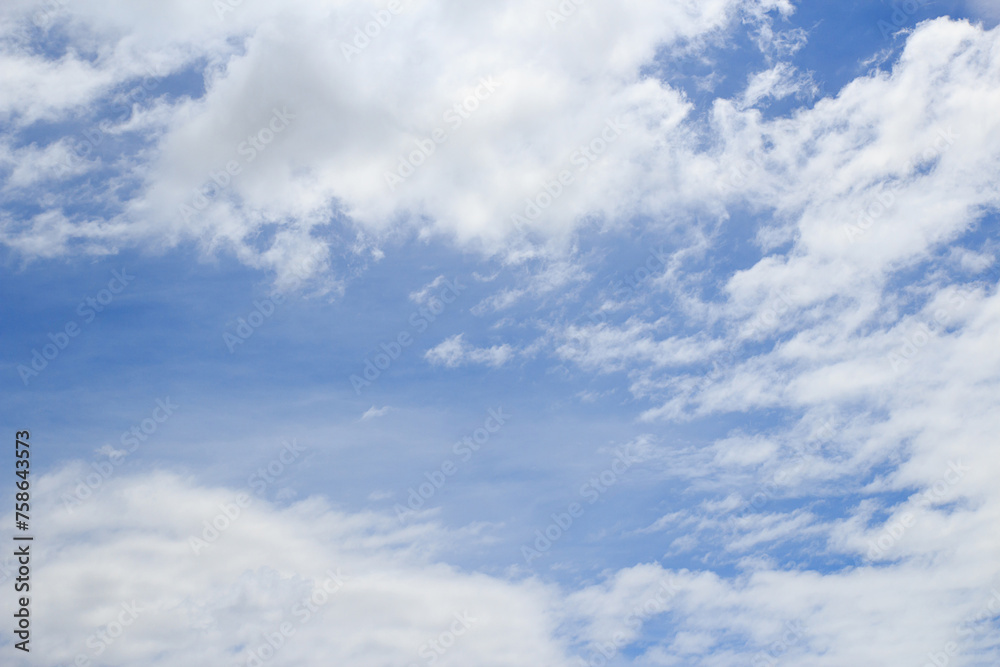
(163, 336)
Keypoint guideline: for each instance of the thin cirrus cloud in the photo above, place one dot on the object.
(455, 351)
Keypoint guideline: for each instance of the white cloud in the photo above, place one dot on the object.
(131, 543)
(454, 352)
(352, 122)
(373, 412)
(424, 294)
(781, 81)
(879, 179)
(609, 348)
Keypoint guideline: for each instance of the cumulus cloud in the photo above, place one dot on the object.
(357, 589)
(123, 580)
(577, 134)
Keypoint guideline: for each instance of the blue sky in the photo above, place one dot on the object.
(747, 347)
